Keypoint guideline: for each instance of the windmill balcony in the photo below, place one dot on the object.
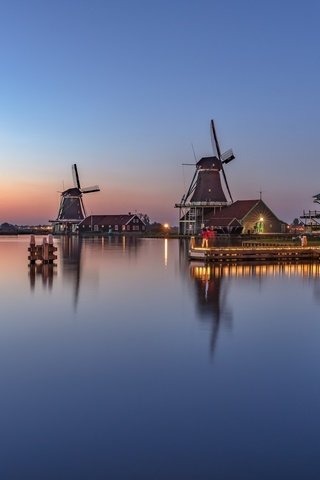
(202, 204)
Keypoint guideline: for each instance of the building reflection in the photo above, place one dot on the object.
(128, 244)
(212, 281)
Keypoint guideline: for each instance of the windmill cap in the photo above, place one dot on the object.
(209, 163)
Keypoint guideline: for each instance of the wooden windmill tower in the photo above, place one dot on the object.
(71, 210)
(205, 192)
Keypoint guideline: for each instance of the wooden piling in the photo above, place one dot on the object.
(45, 253)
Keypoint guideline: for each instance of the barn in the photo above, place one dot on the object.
(126, 223)
(245, 216)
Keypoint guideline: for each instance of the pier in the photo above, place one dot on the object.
(44, 253)
(252, 252)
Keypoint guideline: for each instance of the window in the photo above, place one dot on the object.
(116, 227)
(128, 227)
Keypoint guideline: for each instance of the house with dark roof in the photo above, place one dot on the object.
(127, 223)
(245, 216)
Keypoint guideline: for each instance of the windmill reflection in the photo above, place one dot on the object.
(70, 259)
(212, 283)
(211, 290)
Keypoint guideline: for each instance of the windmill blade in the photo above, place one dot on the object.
(75, 175)
(226, 182)
(227, 156)
(192, 186)
(95, 188)
(214, 139)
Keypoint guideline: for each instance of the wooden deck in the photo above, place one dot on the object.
(254, 253)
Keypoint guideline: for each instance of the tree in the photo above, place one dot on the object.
(145, 218)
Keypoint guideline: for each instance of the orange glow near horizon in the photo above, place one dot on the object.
(30, 203)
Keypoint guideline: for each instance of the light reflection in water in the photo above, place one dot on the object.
(165, 252)
(308, 270)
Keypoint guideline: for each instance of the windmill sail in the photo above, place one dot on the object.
(75, 175)
(224, 158)
(95, 188)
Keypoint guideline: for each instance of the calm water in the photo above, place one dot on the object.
(126, 361)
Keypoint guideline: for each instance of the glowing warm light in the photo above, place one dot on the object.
(261, 219)
(166, 226)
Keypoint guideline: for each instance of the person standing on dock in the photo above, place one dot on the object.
(211, 236)
(205, 238)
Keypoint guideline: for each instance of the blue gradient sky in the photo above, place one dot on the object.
(123, 88)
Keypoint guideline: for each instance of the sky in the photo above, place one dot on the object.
(125, 88)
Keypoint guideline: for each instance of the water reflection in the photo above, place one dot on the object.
(70, 261)
(76, 253)
(211, 292)
(212, 283)
(43, 272)
(128, 245)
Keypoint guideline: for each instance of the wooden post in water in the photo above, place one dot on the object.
(33, 250)
(45, 252)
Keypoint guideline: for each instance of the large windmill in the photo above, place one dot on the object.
(205, 191)
(71, 210)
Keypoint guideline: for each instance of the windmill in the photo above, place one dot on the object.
(205, 190)
(72, 210)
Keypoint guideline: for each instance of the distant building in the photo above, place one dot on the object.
(245, 216)
(8, 228)
(127, 223)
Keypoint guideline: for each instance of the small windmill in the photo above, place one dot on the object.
(72, 210)
(205, 190)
